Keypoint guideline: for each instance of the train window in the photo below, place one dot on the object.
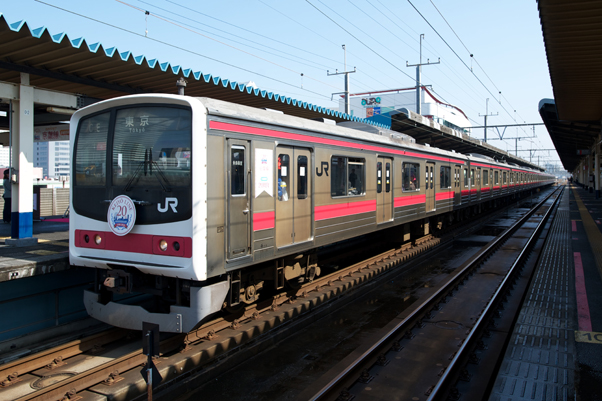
(410, 173)
(237, 172)
(504, 179)
(347, 176)
(388, 177)
(465, 178)
(445, 177)
(472, 180)
(485, 178)
(302, 177)
(379, 177)
(432, 179)
(284, 177)
(152, 147)
(91, 150)
(497, 178)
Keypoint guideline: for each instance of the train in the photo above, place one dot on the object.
(199, 204)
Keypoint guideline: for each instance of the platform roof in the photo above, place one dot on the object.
(572, 33)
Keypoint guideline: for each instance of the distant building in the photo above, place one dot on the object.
(4, 155)
(369, 104)
(53, 158)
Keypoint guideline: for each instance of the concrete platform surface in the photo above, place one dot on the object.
(49, 254)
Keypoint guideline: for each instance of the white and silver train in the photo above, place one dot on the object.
(204, 204)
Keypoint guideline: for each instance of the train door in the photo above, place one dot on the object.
(384, 190)
(430, 187)
(293, 203)
(478, 183)
(238, 207)
(457, 187)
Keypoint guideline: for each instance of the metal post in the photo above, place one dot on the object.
(419, 77)
(149, 365)
(346, 93)
(181, 84)
(486, 115)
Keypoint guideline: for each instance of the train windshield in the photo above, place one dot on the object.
(151, 148)
(143, 152)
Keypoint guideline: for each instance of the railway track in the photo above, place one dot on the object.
(360, 376)
(108, 363)
(63, 372)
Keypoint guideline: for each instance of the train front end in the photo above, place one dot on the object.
(138, 211)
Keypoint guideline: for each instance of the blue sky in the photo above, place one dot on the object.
(287, 46)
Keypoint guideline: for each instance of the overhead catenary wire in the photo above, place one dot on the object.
(224, 43)
(326, 39)
(179, 48)
(247, 30)
(472, 56)
(459, 58)
(358, 39)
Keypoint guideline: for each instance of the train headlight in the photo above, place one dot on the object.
(97, 239)
(176, 246)
(163, 245)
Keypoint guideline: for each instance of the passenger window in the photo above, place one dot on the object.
(347, 176)
(497, 178)
(485, 177)
(504, 176)
(410, 172)
(388, 177)
(444, 177)
(472, 180)
(465, 178)
(283, 177)
(302, 177)
(379, 177)
(237, 173)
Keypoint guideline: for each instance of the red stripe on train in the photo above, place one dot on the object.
(344, 209)
(444, 195)
(135, 243)
(263, 220)
(409, 200)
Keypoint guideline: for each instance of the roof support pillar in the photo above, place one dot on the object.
(22, 162)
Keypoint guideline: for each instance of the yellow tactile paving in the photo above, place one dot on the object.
(591, 229)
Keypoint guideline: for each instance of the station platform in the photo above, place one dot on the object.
(50, 254)
(555, 350)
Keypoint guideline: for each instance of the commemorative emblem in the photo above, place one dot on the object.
(121, 215)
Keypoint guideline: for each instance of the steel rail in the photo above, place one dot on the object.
(46, 357)
(456, 362)
(426, 304)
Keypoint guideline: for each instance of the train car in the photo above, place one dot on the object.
(205, 204)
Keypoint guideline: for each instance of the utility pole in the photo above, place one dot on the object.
(485, 115)
(347, 106)
(418, 76)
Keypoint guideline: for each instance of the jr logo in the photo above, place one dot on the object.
(173, 202)
(323, 169)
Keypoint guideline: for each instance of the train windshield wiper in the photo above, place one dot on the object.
(148, 164)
